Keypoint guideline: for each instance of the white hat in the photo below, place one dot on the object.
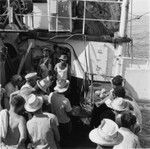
(33, 103)
(119, 104)
(44, 84)
(31, 75)
(62, 86)
(106, 134)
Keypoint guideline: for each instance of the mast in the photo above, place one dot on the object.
(122, 33)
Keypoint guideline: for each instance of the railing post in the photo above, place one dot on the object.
(84, 15)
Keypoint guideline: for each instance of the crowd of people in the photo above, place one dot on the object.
(36, 114)
(116, 120)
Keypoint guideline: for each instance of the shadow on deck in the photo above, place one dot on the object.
(79, 137)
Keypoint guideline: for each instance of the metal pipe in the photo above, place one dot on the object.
(103, 1)
(124, 18)
(12, 31)
(84, 15)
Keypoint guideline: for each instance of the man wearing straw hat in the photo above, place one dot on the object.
(106, 135)
(28, 87)
(61, 107)
(42, 89)
(42, 127)
(120, 105)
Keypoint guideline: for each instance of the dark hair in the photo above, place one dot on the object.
(17, 101)
(117, 80)
(119, 91)
(128, 119)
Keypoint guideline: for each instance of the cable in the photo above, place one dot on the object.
(138, 16)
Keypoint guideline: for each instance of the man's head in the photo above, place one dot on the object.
(17, 102)
(117, 81)
(31, 78)
(63, 58)
(119, 91)
(46, 52)
(128, 120)
(16, 79)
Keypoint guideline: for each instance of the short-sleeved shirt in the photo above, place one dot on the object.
(60, 105)
(41, 131)
(130, 140)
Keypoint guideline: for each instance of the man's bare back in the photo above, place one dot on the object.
(16, 130)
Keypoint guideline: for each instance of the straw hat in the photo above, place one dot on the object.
(31, 75)
(106, 134)
(44, 84)
(33, 103)
(63, 57)
(119, 104)
(62, 86)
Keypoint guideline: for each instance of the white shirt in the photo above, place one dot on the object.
(60, 106)
(40, 130)
(61, 73)
(130, 140)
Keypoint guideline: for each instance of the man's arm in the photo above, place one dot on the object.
(68, 107)
(55, 129)
(23, 132)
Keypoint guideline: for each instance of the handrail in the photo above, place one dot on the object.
(73, 18)
(103, 1)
